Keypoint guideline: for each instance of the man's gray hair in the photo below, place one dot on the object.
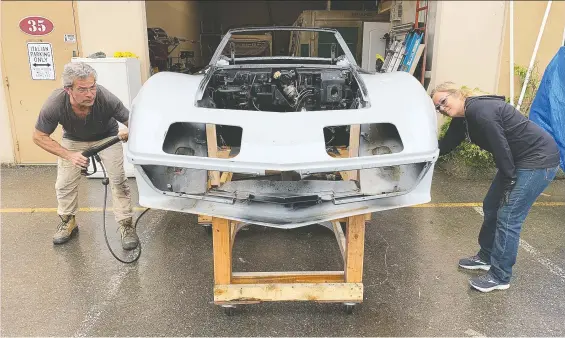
(77, 70)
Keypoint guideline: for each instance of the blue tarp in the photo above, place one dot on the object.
(548, 108)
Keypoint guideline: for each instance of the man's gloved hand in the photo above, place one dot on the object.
(507, 186)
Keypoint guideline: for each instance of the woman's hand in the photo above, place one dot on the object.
(508, 185)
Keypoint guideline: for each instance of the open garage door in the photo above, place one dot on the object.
(183, 35)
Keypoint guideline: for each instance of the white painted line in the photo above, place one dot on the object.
(95, 312)
(556, 270)
(113, 286)
(552, 267)
(479, 210)
(474, 333)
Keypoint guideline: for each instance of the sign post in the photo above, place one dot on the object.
(41, 65)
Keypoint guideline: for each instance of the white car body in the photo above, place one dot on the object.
(293, 141)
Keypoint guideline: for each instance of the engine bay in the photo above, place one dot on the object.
(282, 90)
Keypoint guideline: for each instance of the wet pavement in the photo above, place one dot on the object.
(411, 281)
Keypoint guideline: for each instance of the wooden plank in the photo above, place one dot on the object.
(288, 277)
(354, 251)
(245, 293)
(235, 227)
(212, 152)
(343, 153)
(368, 217)
(233, 232)
(338, 231)
(202, 219)
(223, 153)
(354, 135)
(226, 177)
(417, 58)
(222, 250)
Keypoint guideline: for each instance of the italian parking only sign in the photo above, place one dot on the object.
(41, 65)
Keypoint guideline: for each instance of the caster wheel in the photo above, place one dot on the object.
(229, 310)
(348, 308)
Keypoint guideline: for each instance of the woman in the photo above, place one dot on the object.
(527, 160)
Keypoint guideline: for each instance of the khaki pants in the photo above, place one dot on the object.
(68, 178)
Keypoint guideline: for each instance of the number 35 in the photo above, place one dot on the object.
(36, 25)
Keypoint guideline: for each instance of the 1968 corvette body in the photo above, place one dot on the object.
(305, 139)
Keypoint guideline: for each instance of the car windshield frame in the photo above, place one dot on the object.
(225, 40)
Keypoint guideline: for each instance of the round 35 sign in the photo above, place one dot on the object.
(36, 25)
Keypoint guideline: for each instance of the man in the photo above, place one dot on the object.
(88, 114)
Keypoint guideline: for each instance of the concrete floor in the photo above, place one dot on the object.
(412, 284)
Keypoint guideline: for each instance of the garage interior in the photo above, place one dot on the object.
(183, 35)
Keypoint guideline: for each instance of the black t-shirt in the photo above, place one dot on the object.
(100, 123)
(499, 128)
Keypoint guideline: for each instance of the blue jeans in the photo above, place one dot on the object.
(500, 233)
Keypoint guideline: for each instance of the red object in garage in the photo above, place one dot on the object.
(36, 25)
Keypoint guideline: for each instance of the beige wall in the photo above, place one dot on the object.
(528, 17)
(25, 96)
(111, 26)
(467, 40)
(6, 144)
(178, 19)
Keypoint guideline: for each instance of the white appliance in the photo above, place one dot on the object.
(122, 77)
(373, 43)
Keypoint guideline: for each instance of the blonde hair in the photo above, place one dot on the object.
(462, 91)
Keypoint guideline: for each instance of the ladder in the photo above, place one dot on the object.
(424, 32)
(413, 41)
(401, 55)
(393, 57)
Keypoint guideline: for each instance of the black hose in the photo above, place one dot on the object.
(105, 182)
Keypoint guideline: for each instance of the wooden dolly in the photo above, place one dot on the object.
(234, 288)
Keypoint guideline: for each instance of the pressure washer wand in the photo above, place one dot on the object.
(93, 153)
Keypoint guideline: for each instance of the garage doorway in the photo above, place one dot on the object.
(183, 35)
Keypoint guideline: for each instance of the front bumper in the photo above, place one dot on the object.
(320, 203)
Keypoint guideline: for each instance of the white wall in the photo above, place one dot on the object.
(467, 43)
(528, 16)
(111, 26)
(6, 144)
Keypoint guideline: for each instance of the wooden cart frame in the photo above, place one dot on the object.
(235, 288)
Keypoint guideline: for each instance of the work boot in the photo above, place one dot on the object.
(129, 236)
(65, 229)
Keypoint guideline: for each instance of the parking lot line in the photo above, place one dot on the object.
(427, 205)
